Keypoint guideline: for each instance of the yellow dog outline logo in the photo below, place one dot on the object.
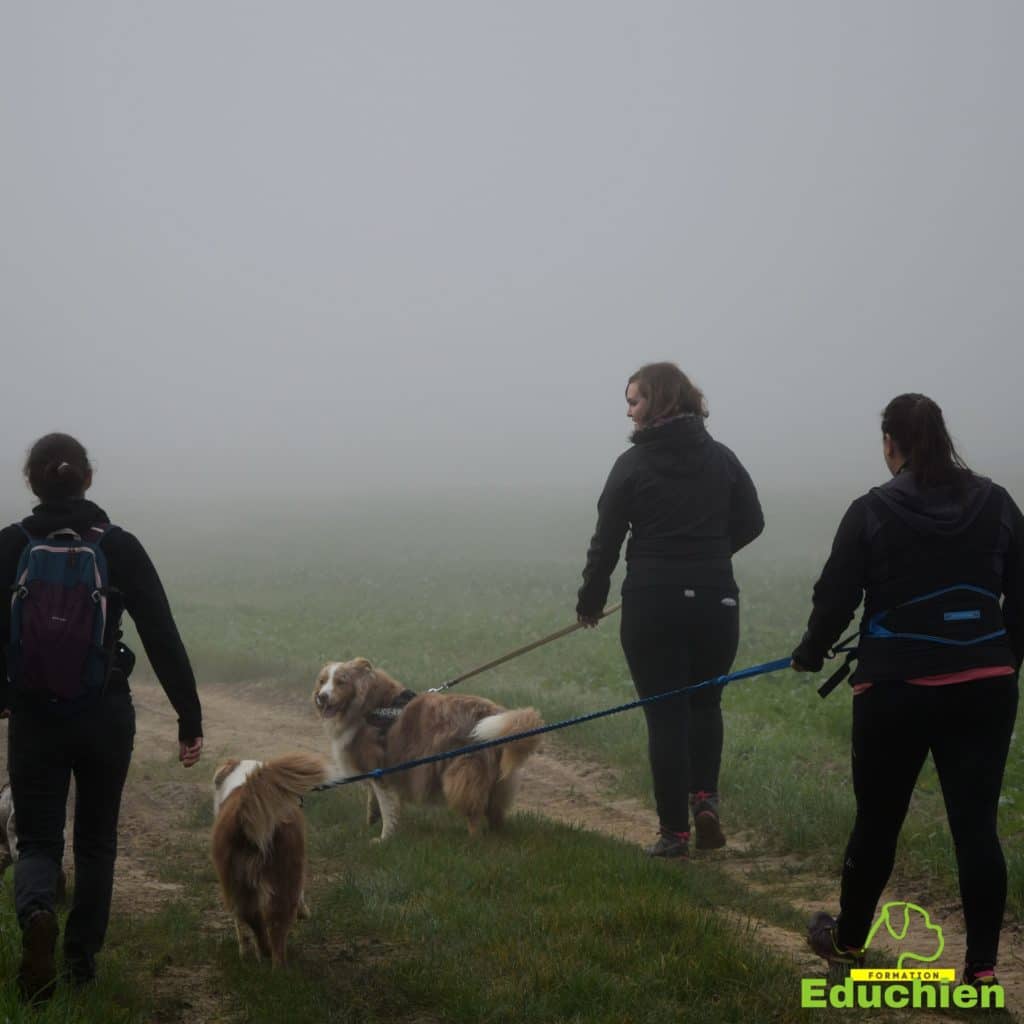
(898, 934)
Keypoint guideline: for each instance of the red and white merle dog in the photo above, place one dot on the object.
(359, 706)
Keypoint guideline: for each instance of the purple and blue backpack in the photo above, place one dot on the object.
(59, 608)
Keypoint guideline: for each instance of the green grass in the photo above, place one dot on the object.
(541, 924)
(426, 616)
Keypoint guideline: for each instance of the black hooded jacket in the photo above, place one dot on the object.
(688, 505)
(900, 543)
(141, 595)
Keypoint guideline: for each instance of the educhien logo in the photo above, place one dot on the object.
(902, 987)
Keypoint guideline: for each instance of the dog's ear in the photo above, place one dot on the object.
(358, 666)
(225, 770)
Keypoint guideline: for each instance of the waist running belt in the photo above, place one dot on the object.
(957, 616)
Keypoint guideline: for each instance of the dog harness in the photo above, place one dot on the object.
(385, 717)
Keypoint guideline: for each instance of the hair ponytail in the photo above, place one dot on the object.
(915, 424)
(57, 468)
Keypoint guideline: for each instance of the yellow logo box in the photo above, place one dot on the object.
(903, 974)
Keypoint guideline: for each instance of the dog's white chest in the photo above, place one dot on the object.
(340, 745)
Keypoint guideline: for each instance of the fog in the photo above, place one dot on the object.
(333, 251)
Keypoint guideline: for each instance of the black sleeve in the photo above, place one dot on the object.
(144, 599)
(838, 591)
(1013, 580)
(12, 543)
(746, 520)
(603, 553)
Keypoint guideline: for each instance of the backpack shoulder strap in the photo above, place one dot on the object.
(98, 533)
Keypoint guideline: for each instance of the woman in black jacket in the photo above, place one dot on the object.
(688, 505)
(50, 739)
(932, 551)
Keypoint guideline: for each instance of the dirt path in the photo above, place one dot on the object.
(244, 721)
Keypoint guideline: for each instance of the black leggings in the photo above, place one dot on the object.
(43, 753)
(967, 728)
(672, 637)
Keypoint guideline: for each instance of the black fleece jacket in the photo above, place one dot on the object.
(688, 505)
(899, 542)
(141, 595)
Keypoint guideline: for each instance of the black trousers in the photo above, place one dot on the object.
(43, 753)
(672, 637)
(967, 729)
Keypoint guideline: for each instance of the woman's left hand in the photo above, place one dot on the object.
(189, 751)
(588, 621)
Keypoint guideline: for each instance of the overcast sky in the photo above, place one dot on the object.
(302, 246)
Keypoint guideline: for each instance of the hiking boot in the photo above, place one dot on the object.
(37, 975)
(979, 975)
(821, 937)
(670, 844)
(80, 968)
(705, 821)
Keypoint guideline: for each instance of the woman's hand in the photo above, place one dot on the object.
(189, 751)
(588, 621)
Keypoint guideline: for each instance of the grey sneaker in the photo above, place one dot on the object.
(705, 821)
(821, 937)
(670, 844)
(37, 975)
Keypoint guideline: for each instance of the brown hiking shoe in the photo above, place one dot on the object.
(705, 822)
(979, 975)
(37, 975)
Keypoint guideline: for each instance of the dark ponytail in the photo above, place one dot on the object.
(915, 424)
(57, 468)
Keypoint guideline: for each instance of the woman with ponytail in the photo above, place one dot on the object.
(932, 552)
(50, 739)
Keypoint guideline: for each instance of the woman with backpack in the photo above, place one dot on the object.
(65, 688)
(931, 551)
(689, 506)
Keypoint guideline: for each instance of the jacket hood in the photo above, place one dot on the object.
(935, 511)
(679, 448)
(76, 514)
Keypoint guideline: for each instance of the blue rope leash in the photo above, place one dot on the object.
(377, 773)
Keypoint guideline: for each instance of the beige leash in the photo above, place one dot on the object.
(519, 650)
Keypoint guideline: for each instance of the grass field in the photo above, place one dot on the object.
(548, 924)
(427, 607)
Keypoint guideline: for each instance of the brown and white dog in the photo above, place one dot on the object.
(359, 708)
(9, 841)
(8, 829)
(259, 845)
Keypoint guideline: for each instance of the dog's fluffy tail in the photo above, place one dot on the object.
(513, 755)
(271, 793)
